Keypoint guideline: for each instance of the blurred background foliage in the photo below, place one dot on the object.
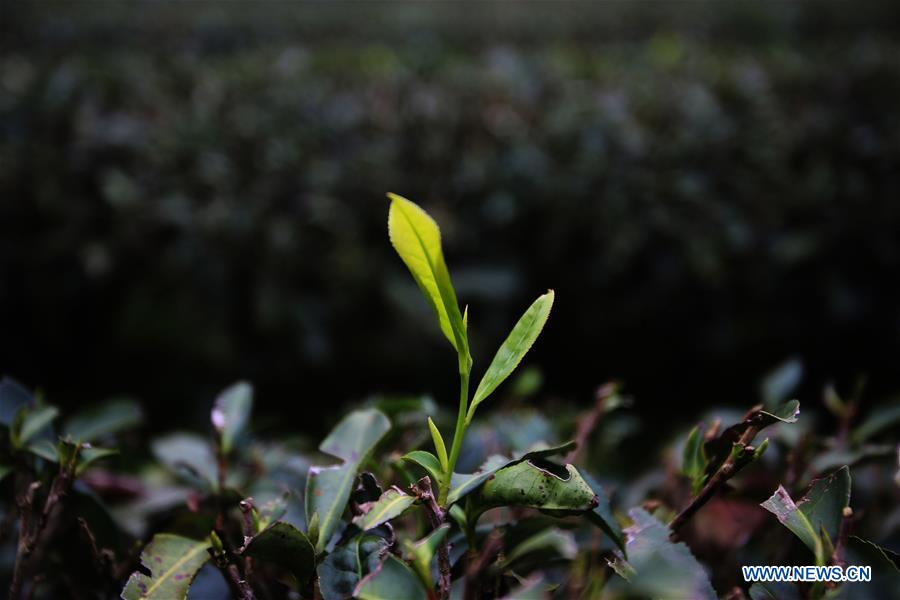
(193, 193)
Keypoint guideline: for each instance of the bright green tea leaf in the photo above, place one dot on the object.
(439, 446)
(173, 562)
(391, 581)
(284, 545)
(393, 503)
(511, 352)
(231, 412)
(417, 239)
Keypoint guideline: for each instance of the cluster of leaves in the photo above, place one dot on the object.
(373, 515)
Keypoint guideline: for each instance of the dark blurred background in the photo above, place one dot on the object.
(192, 193)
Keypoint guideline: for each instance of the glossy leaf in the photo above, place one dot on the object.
(417, 239)
(173, 562)
(231, 413)
(513, 349)
(427, 461)
(391, 581)
(659, 568)
(328, 488)
(393, 503)
(284, 545)
(104, 419)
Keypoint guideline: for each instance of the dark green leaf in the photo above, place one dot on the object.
(328, 488)
(422, 552)
(825, 501)
(284, 545)
(393, 580)
(881, 419)
(602, 515)
(774, 590)
(783, 507)
(231, 412)
(13, 396)
(104, 419)
(658, 568)
(173, 562)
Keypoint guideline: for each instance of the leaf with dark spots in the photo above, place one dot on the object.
(173, 562)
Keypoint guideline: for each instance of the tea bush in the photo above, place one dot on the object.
(384, 507)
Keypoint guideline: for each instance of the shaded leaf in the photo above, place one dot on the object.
(231, 412)
(659, 568)
(417, 239)
(338, 574)
(104, 419)
(824, 502)
(513, 349)
(881, 419)
(189, 456)
(13, 396)
(422, 553)
(284, 545)
(774, 590)
(548, 543)
(89, 455)
(35, 422)
(391, 581)
(392, 503)
(45, 448)
(328, 488)
(780, 382)
(173, 562)
(602, 515)
(783, 507)
(786, 413)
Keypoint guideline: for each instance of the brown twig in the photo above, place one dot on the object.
(729, 467)
(436, 516)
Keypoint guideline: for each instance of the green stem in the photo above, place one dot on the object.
(459, 433)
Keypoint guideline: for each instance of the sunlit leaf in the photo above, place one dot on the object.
(513, 349)
(173, 562)
(417, 239)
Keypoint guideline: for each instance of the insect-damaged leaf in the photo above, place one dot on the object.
(392, 503)
(231, 412)
(417, 239)
(537, 483)
(284, 545)
(465, 483)
(657, 567)
(819, 510)
(328, 488)
(392, 580)
(513, 349)
(173, 562)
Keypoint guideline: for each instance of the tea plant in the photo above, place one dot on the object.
(373, 515)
